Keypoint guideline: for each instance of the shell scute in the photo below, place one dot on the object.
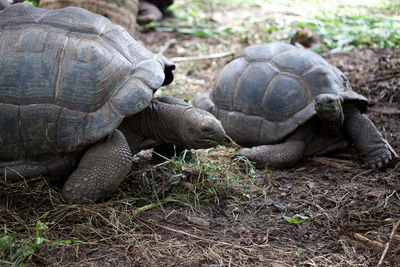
(252, 87)
(151, 73)
(224, 89)
(291, 61)
(321, 80)
(286, 96)
(263, 53)
(11, 147)
(75, 19)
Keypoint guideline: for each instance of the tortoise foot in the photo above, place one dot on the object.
(380, 158)
(282, 155)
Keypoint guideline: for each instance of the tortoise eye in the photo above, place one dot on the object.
(206, 129)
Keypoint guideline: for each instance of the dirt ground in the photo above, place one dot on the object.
(154, 220)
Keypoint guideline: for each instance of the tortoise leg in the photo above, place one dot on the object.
(278, 156)
(374, 150)
(148, 13)
(285, 154)
(100, 171)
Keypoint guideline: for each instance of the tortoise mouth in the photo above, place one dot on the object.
(199, 141)
(215, 139)
(326, 107)
(210, 141)
(328, 102)
(330, 112)
(202, 130)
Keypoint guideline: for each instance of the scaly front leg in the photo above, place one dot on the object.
(278, 156)
(100, 171)
(374, 150)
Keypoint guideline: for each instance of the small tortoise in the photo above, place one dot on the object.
(68, 79)
(152, 10)
(4, 4)
(123, 13)
(286, 103)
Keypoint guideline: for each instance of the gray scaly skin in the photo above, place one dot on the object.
(335, 124)
(100, 171)
(106, 164)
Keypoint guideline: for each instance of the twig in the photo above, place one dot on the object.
(99, 257)
(374, 244)
(385, 110)
(194, 58)
(331, 163)
(361, 173)
(152, 206)
(166, 46)
(320, 209)
(194, 236)
(19, 219)
(388, 243)
(147, 207)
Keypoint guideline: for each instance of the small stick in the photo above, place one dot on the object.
(194, 236)
(331, 163)
(385, 110)
(151, 206)
(388, 243)
(166, 46)
(374, 244)
(361, 173)
(194, 58)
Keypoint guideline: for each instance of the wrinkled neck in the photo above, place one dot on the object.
(160, 121)
(332, 125)
(332, 128)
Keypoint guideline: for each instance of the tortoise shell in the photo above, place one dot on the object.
(267, 91)
(68, 77)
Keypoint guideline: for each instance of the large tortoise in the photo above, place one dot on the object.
(68, 79)
(284, 103)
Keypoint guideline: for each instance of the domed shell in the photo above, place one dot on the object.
(267, 91)
(68, 78)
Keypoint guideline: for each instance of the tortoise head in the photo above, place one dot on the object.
(200, 129)
(329, 107)
(330, 111)
(172, 121)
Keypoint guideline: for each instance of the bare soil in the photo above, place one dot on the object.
(352, 211)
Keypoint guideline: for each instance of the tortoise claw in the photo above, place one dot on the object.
(380, 161)
(379, 164)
